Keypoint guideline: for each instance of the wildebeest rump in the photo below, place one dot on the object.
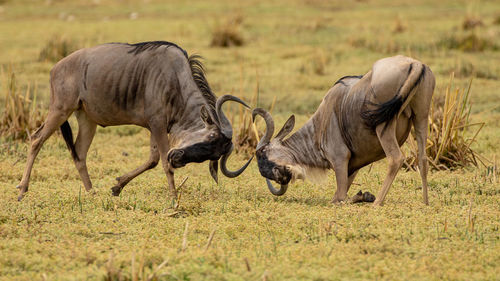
(154, 85)
(361, 119)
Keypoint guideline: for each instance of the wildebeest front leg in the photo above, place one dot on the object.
(162, 140)
(391, 148)
(154, 158)
(341, 175)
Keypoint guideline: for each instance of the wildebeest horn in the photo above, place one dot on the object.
(225, 125)
(274, 191)
(228, 173)
(269, 126)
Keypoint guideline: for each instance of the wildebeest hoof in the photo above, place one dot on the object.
(362, 197)
(368, 197)
(116, 190)
(357, 198)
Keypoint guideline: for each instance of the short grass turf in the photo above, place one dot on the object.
(294, 51)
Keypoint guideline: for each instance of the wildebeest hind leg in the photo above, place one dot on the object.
(153, 160)
(390, 145)
(421, 135)
(86, 132)
(55, 119)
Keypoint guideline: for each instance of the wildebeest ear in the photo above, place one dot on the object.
(205, 115)
(287, 128)
(214, 167)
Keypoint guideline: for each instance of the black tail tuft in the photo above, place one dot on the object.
(382, 112)
(68, 138)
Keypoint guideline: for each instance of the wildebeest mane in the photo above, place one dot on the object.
(152, 45)
(197, 68)
(198, 72)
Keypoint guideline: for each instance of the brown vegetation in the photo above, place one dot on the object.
(57, 48)
(22, 114)
(451, 132)
(228, 34)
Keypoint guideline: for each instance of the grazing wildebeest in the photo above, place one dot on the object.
(361, 119)
(154, 85)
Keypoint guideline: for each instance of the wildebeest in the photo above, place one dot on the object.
(154, 85)
(361, 119)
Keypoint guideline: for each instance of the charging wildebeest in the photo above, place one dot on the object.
(154, 85)
(361, 119)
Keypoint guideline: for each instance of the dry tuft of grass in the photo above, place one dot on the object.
(399, 26)
(468, 42)
(319, 62)
(464, 68)
(497, 20)
(22, 113)
(448, 144)
(57, 48)
(246, 135)
(380, 45)
(139, 271)
(471, 22)
(228, 34)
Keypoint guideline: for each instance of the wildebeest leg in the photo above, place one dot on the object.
(390, 145)
(340, 166)
(86, 132)
(421, 135)
(350, 179)
(161, 138)
(55, 119)
(154, 158)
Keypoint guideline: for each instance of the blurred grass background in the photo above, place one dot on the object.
(292, 51)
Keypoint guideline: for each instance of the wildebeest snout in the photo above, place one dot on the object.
(174, 157)
(281, 174)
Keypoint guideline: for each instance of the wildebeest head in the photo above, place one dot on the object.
(211, 142)
(272, 159)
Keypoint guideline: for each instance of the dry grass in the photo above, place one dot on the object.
(228, 34)
(60, 233)
(399, 26)
(22, 113)
(381, 45)
(451, 132)
(464, 68)
(57, 48)
(470, 41)
(319, 62)
(497, 20)
(139, 271)
(246, 135)
(471, 22)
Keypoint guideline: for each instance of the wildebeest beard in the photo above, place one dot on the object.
(202, 151)
(266, 169)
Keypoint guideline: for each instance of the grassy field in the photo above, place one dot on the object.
(294, 51)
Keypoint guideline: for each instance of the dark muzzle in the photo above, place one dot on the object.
(175, 158)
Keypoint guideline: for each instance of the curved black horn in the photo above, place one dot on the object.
(269, 125)
(274, 191)
(228, 173)
(225, 125)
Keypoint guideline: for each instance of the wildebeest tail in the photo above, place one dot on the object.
(68, 138)
(386, 111)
